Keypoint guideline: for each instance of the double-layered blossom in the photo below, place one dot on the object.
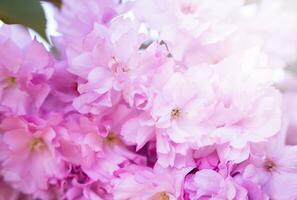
(95, 144)
(25, 69)
(29, 154)
(102, 66)
(276, 164)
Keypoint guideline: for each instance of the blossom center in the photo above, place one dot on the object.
(187, 8)
(12, 80)
(37, 143)
(111, 138)
(164, 196)
(160, 196)
(175, 113)
(269, 165)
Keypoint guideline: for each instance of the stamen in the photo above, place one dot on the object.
(12, 80)
(270, 166)
(164, 196)
(175, 113)
(111, 138)
(37, 143)
(160, 196)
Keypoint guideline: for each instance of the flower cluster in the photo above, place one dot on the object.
(150, 100)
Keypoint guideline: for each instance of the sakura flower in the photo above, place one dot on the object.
(248, 108)
(102, 66)
(175, 117)
(29, 158)
(181, 109)
(86, 144)
(25, 68)
(140, 93)
(276, 164)
(151, 69)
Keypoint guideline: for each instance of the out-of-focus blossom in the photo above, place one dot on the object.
(278, 33)
(250, 114)
(78, 19)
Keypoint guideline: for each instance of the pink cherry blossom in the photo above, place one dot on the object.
(277, 165)
(102, 66)
(25, 69)
(239, 116)
(29, 157)
(95, 144)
